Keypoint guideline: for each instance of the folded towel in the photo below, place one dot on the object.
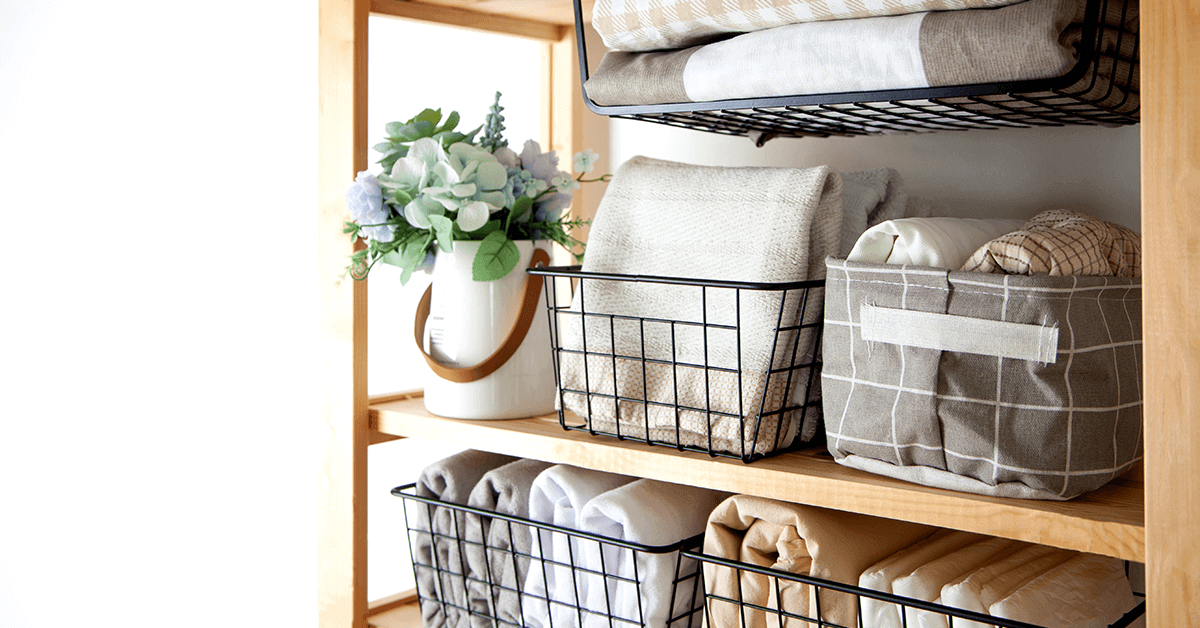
(880, 576)
(743, 224)
(939, 242)
(978, 590)
(558, 496)
(656, 24)
(827, 544)
(497, 551)
(1035, 39)
(1087, 591)
(1062, 242)
(637, 587)
(926, 582)
(444, 598)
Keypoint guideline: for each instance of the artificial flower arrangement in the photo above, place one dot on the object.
(439, 185)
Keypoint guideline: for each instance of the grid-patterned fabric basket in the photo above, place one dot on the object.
(471, 575)
(787, 588)
(1017, 386)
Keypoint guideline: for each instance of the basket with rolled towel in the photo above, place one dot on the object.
(772, 564)
(498, 541)
(797, 68)
(1014, 372)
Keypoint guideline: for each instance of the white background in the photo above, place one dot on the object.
(157, 188)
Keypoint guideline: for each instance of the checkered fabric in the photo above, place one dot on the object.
(1062, 242)
(982, 423)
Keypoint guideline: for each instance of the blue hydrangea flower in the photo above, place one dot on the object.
(365, 200)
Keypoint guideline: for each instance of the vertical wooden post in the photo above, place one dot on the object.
(1170, 41)
(342, 150)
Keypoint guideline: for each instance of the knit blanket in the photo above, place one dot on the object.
(1036, 39)
(678, 220)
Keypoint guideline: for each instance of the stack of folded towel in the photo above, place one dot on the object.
(693, 51)
(740, 224)
(475, 571)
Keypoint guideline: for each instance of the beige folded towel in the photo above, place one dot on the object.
(978, 590)
(879, 577)
(827, 544)
(672, 219)
(1062, 242)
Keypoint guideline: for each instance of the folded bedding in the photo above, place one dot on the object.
(1086, 591)
(939, 242)
(558, 496)
(799, 539)
(639, 25)
(671, 219)
(497, 552)
(436, 548)
(978, 590)
(1034, 39)
(637, 588)
(879, 577)
(1062, 242)
(926, 582)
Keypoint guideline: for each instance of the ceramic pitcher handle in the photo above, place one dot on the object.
(529, 304)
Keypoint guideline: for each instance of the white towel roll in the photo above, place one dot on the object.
(938, 242)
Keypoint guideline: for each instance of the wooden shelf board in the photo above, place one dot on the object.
(1109, 521)
(526, 18)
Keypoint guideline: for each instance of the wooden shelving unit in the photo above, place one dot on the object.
(1155, 519)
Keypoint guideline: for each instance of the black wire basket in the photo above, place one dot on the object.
(720, 608)
(473, 567)
(727, 368)
(1101, 89)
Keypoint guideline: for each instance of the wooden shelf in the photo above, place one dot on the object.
(1108, 521)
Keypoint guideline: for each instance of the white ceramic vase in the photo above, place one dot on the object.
(468, 321)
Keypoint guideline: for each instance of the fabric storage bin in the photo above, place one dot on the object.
(473, 572)
(1007, 385)
(720, 367)
(788, 593)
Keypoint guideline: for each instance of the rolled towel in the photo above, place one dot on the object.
(558, 496)
(926, 582)
(880, 576)
(1062, 242)
(1087, 591)
(827, 544)
(637, 587)
(497, 551)
(977, 591)
(939, 242)
(744, 224)
(444, 598)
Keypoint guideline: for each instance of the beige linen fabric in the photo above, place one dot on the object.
(807, 540)
(670, 219)
(1061, 242)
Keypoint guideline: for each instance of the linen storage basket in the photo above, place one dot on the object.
(727, 368)
(1007, 385)
(788, 593)
(483, 583)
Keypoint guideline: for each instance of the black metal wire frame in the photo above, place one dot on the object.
(795, 299)
(1057, 101)
(446, 587)
(788, 617)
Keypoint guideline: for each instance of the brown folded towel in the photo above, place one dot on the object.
(818, 542)
(1062, 242)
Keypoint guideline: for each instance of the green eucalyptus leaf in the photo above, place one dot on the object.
(402, 197)
(384, 147)
(488, 228)
(431, 116)
(496, 258)
(451, 121)
(519, 208)
(395, 258)
(393, 129)
(443, 227)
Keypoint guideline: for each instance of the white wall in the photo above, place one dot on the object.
(157, 422)
(1009, 173)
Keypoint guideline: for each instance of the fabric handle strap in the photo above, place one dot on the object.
(463, 375)
(944, 332)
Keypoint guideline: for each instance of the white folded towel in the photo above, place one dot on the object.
(646, 512)
(940, 242)
(977, 591)
(926, 582)
(880, 576)
(1087, 591)
(558, 496)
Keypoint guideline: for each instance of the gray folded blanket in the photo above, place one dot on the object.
(498, 551)
(436, 548)
(1035, 39)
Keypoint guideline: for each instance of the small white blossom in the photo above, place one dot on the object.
(585, 161)
(564, 184)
